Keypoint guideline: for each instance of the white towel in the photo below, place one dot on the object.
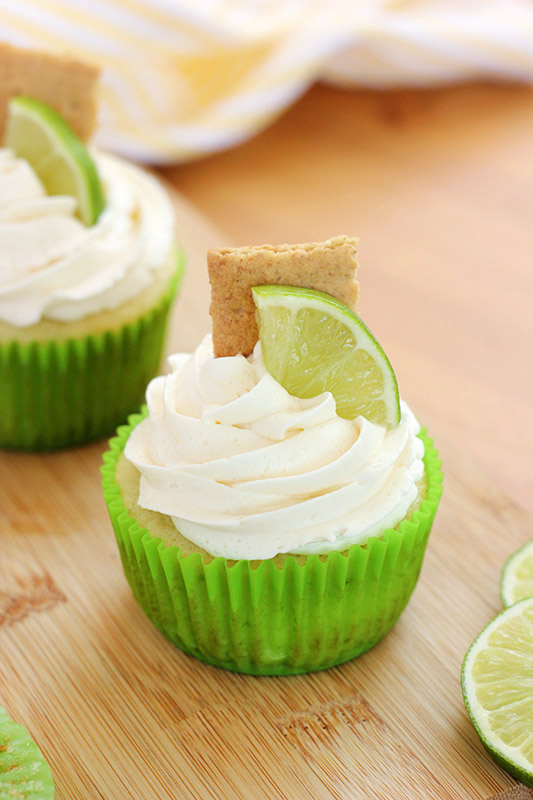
(182, 78)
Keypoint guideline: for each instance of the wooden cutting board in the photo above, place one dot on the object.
(120, 713)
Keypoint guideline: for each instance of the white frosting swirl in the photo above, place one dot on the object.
(246, 470)
(54, 267)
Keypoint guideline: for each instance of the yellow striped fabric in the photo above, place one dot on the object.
(182, 78)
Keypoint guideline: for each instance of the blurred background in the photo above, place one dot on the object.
(181, 78)
(406, 122)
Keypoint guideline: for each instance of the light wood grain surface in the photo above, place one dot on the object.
(118, 711)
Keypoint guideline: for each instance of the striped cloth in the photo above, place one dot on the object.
(182, 78)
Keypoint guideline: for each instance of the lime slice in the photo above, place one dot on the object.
(24, 774)
(37, 133)
(517, 576)
(313, 343)
(497, 680)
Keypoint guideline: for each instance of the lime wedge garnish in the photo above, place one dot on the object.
(517, 576)
(497, 680)
(37, 133)
(313, 343)
(24, 774)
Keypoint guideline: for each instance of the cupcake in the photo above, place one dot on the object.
(264, 530)
(87, 278)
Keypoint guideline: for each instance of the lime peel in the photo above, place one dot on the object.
(516, 581)
(312, 343)
(38, 134)
(497, 683)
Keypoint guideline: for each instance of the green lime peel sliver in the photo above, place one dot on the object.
(62, 162)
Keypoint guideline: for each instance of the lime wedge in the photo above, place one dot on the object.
(517, 576)
(37, 133)
(24, 774)
(313, 343)
(497, 679)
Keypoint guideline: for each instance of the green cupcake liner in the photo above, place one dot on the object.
(266, 619)
(55, 394)
(24, 774)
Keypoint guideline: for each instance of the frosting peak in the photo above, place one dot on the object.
(248, 471)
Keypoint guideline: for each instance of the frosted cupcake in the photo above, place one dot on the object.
(265, 532)
(85, 290)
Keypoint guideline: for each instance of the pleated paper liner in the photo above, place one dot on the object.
(267, 620)
(57, 394)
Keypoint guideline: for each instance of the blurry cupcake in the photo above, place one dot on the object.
(89, 266)
(271, 531)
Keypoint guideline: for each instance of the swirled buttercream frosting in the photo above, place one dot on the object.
(54, 267)
(246, 470)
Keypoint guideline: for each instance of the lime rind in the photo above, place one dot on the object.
(368, 351)
(509, 578)
(510, 758)
(24, 774)
(59, 144)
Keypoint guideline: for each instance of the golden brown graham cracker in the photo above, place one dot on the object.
(517, 792)
(327, 266)
(65, 83)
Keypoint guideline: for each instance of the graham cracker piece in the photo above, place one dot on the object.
(326, 266)
(65, 83)
(518, 792)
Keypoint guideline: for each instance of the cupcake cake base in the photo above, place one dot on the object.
(280, 616)
(61, 391)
